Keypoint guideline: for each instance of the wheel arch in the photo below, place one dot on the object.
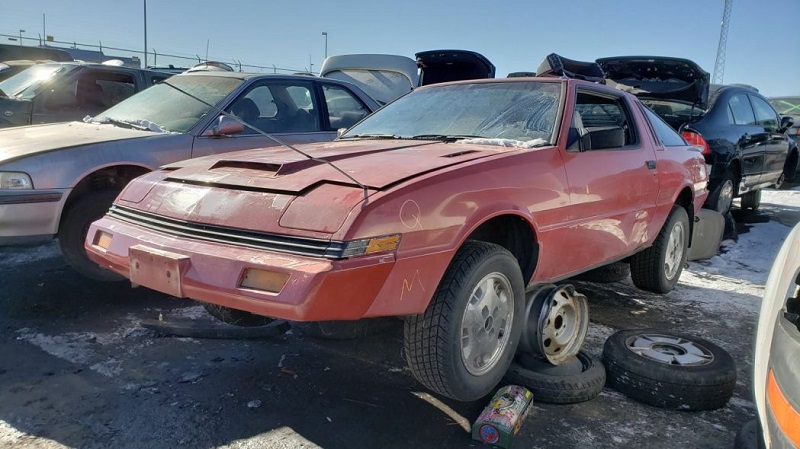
(511, 229)
(108, 177)
(685, 199)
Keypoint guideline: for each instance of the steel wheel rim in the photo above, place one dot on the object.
(486, 325)
(669, 350)
(675, 248)
(562, 326)
(725, 196)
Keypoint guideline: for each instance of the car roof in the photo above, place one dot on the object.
(246, 75)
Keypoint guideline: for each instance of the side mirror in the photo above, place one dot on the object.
(225, 126)
(60, 99)
(340, 132)
(786, 123)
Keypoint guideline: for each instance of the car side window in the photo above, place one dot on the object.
(278, 107)
(740, 110)
(92, 92)
(765, 114)
(344, 110)
(668, 136)
(601, 122)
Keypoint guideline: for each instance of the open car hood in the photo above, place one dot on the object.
(658, 78)
(439, 66)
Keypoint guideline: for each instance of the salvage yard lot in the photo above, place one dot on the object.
(77, 370)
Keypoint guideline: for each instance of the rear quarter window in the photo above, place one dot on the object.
(664, 132)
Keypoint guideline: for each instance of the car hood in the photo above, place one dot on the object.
(24, 141)
(659, 78)
(269, 190)
(439, 66)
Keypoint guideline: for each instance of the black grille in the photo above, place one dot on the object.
(238, 237)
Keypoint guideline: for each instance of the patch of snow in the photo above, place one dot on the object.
(73, 348)
(192, 312)
(109, 368)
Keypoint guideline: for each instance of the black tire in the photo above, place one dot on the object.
(751, 200)
(72, 233)
(749, 436)
(714, 202)
(791, 167)
(432, 340)
(705, 386)
(236, 317)
(648, 267)
(343, 330)
(613, 272)
(558, 384)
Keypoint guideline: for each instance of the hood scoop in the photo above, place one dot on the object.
(250, 166)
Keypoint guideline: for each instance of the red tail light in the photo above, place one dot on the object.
(697, 140)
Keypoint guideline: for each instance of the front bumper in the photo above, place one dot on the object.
(317, 289)
(29, 216)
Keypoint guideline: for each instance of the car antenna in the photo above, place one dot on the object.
(275, 139)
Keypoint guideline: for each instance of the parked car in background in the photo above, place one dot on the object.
(65, 91)
(56, 179)
(743, 138)
(777, 350)
(386, 77)
(440, 207)
(789, 106)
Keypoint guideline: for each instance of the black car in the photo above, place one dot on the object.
(743, 138)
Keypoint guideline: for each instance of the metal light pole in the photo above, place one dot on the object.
(145, 34)
(20, 37)
(325, 33)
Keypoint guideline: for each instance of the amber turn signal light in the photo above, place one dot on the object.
(102, 240)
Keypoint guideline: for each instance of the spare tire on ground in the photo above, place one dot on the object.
(577, 380)
(669, 370)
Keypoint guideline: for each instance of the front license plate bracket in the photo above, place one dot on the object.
(158, 269)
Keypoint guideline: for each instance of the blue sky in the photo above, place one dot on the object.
(514, 34)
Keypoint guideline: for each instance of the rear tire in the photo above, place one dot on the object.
(751, 200)
(791, 167)
(464, 342)
(236, 317)
(74, 227)
(658, 268)
(721, 198)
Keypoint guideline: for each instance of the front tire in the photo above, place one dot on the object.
(658, 268)
(751, 200)
(464, 342)
(74, 227)
(236, 317)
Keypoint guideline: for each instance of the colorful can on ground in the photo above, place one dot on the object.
(501, 420)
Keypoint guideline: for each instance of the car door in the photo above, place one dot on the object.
(776, 145)
(748, 137)
(612, 183)
(288, 109)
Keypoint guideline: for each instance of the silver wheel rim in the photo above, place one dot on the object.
(486, 325)
(725, 197)
(565, 326)
(669, 350)
(675, 246)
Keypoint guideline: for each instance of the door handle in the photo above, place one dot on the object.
(651, 165)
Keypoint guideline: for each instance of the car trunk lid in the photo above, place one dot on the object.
(439, 66)
(659, 78)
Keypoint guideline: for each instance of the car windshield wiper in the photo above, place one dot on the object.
(371, 136)
(445, 137)
(129, 124)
